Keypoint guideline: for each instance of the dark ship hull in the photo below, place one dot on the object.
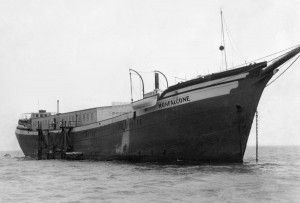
(203, 120)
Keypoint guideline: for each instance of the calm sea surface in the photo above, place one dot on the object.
(275, 178)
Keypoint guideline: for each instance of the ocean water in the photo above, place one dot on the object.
(275, 178)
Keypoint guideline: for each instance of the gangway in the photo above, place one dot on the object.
(56, 143)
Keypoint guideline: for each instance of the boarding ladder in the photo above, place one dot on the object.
(51, 144)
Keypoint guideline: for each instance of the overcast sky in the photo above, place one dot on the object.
(80, 51)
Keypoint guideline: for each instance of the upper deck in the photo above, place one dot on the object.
(52, 121)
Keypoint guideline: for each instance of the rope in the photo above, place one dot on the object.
(169, 75)
(256, 135)
(232, 42)
(269, 56)
(283, 71)
(255, 67)
(135, 93)
(222, 55)
(258, 66)
(147, 72)
(280, 56)
(241, 73)
(162, 83)
(244, 64)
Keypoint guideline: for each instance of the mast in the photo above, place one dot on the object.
(222, 47)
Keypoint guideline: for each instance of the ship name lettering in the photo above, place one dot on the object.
(174, 102)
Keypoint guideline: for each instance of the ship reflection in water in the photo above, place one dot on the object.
(274, 178)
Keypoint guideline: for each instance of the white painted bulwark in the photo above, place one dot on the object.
(213, 82)
(197, 95)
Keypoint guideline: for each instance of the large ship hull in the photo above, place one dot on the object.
(198, 124)
(207, 119)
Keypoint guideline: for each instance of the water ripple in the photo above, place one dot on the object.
(276, 177)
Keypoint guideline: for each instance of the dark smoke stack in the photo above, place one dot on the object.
(156, 81)
(57, 106)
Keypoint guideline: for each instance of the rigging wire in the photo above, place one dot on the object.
(175, 77)
(229, 41)
(137, 94)
(232, 42)
(169, 75)
(283, 71)
(182, 79)
(222, 60)
(280, 56)
(147, 72)
(257, 66)
(235, 47)
(162, 83)
(223, 40)
(271, 55)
